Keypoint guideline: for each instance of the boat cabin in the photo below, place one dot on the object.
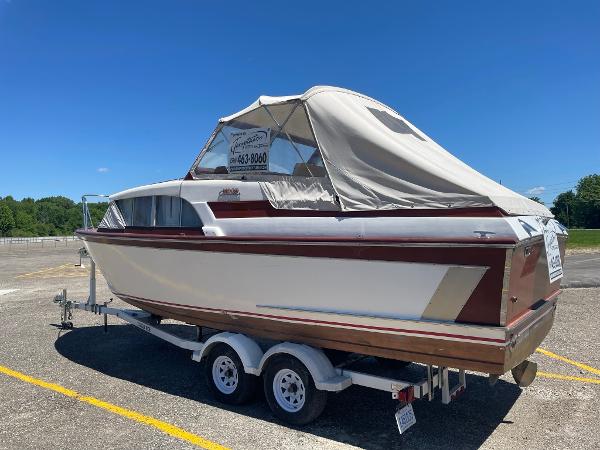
(327, 152)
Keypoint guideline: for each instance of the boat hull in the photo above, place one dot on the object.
(402, 307)
(484, 356)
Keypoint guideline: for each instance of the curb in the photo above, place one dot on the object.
(580, 284)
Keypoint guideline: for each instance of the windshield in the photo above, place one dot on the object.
(270, 140)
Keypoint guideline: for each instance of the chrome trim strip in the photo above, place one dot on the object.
(327, 243)
(505, 285)
(529, 241)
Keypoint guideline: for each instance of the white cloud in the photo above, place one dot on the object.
(102, 169)
(536, 190)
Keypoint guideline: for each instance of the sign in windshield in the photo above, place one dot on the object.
(249, 150)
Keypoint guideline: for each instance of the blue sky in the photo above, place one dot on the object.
(101, 96)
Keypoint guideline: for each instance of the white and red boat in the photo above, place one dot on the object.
(329, 219)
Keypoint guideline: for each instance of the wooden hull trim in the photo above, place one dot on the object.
(481, 357)
(281, 318)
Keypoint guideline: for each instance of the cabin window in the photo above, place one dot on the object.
(126, 207)
(168, 211)
(277, 140)
(189, 216)
(142, 212)
(158, 211)
(214, 159)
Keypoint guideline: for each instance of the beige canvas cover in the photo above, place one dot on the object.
(300, 193)
(378, 160)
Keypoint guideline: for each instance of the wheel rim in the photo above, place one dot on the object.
(225, 374)
(289, 390)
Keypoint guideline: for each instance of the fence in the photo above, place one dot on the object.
(45, 241)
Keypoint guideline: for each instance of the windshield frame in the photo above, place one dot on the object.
(196, 172)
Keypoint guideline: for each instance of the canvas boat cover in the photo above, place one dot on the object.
(375, 159)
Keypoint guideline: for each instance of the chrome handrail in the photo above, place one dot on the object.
(87, 218)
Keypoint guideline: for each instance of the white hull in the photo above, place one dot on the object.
(373, 295)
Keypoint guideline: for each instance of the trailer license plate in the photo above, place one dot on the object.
(405, 418)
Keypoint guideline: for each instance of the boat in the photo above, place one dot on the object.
(328, 219)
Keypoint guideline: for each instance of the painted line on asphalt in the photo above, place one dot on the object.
(165, 427)
(7, 291)
(568, 361)
(57, 272)
(568, 377)
(38, 272)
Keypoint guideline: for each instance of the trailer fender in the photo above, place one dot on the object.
(248, 350)
(319, 366)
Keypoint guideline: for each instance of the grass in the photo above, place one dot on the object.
(584, 239)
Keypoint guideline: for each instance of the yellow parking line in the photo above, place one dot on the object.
(158, 424)
(54, 272)
(568, 377)
(23, 275)
(568, 361)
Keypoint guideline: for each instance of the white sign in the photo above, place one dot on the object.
(249, 150)
(555, 271)
(405, 418)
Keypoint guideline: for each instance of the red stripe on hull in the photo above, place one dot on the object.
(260, 208)
(483, 306)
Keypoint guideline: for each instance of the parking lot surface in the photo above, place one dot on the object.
(582, 270)
(125, 389)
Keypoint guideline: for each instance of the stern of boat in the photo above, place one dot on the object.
(530, 293)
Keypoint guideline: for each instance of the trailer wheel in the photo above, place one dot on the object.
(154, 319)
(291, 392)
(226, 377)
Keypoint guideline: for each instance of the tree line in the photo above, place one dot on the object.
(49, 216)
(579, 208)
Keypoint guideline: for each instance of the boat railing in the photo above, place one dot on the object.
(87, 217)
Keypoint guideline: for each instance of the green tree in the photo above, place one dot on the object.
(49, 213)
(7, 220)
(11, 203)
(97, 211)
(27, 205)
(588, 199)
(49, 216)
(536, 199)
(25, 223)
(564, 206)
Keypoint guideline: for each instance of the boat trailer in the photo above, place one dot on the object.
(255, 362)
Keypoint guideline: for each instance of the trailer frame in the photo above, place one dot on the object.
(325, 375)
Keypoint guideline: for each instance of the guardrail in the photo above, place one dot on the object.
(45, 241)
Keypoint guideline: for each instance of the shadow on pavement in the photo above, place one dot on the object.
(358, 416)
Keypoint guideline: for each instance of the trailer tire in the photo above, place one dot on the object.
(290, 391)
(226, 378)
(154, 320)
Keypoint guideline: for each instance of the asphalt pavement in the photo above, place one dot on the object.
(125, 389)
(582, 270)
